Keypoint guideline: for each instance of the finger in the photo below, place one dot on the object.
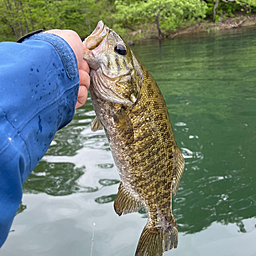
(84, 78)
(84, 66)
(82, 96)
(83, 87)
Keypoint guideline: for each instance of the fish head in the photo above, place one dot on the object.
(116, 73)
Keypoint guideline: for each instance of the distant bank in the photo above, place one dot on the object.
(207, 25)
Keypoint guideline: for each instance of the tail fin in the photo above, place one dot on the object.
(155, 241)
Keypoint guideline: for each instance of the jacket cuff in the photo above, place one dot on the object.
(20, 40)
(64, 50)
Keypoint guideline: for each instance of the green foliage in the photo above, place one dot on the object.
(168, 13)
(19, 17)
(228, 8)
(249, 2)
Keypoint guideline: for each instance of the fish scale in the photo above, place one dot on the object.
(132, 110)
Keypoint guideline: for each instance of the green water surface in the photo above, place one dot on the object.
(209, 84)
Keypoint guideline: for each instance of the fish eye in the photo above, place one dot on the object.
(120, 49)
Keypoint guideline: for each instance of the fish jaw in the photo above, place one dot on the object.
(96, 36)
(95, 44)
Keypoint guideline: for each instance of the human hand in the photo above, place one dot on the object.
(73, 39)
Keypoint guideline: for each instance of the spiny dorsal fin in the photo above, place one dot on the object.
(124, 202)
(96, 125)
(179, 164)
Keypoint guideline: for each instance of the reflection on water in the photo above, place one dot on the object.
(218, 184)
(21, 208)
(108, 182)
(109, 198)
(209, 84)
(105, 199)
(57, 179)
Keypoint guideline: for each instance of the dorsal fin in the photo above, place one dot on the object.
(124, 202)
(179, 164)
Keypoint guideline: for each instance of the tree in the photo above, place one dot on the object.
(19, 17)
(16, 17)
(166, 14)
(224, 8)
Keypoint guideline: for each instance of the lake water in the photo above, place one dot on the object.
(209, 84)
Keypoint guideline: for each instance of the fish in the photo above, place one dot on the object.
(131, 109)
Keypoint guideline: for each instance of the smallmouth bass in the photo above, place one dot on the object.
(132, 111)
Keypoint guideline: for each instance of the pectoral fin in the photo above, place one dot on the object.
(179, 164)
(96, 125)
(124, 126)
(124, 202)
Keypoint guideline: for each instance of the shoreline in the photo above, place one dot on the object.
(237, 21)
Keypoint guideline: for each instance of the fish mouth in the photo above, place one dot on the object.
(96, 37)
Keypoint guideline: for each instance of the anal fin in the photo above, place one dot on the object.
(124, 202)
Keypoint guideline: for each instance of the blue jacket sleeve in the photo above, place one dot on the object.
(38, 88)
